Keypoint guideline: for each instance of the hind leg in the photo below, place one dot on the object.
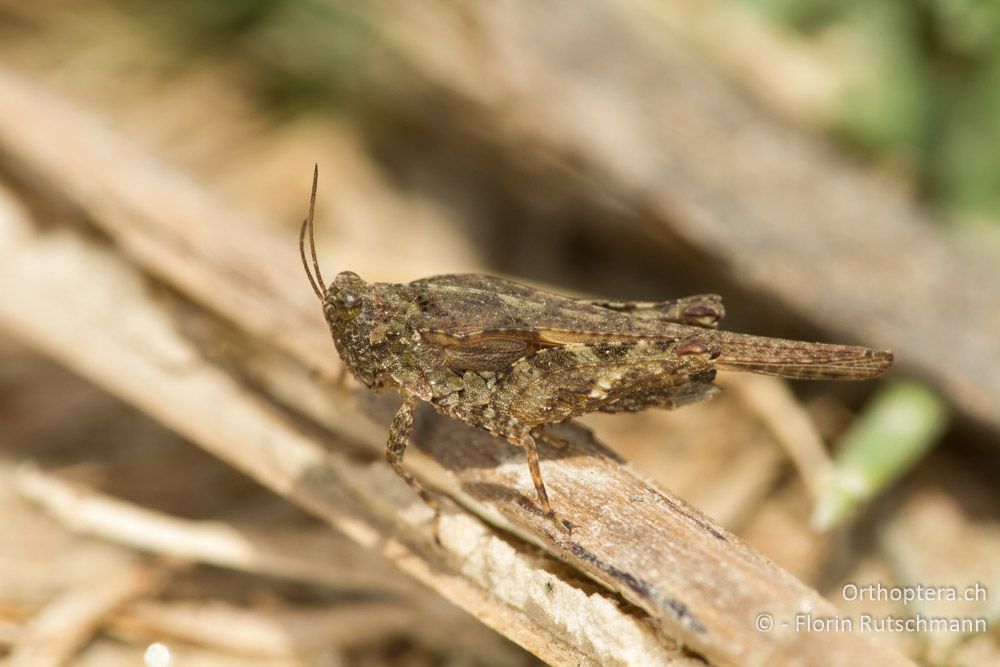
(513, 431)
(667, 397)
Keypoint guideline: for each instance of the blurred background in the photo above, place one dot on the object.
(831, 168)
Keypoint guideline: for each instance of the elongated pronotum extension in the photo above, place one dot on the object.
(800, 360)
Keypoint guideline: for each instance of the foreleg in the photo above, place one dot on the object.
(399, 435)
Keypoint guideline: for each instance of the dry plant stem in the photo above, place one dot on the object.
(62, 627)
(328, 561)
(263, 633)
(738, 493)
(791, 426)
(700, 585)
(312, 557)
(163, 220)
(650, 127)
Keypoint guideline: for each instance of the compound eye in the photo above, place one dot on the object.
(348, 304)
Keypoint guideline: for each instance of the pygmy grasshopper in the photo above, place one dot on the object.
(513, 359)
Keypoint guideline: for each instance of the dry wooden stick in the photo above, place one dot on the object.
(263, 633)
(318, 559)
(65, 624)
(701, 586)
(313, 557)
(791, 426)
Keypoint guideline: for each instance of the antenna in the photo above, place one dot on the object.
(317, 282)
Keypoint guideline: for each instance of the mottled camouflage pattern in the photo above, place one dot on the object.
(511, 359)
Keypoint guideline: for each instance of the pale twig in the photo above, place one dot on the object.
(66, 623)
(786, 419)
(315, 558)
(262, 632)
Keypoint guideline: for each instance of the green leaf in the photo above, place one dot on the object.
(895, 431)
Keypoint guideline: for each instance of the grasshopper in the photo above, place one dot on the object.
(512, 359)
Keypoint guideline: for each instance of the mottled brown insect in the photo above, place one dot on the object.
(513, 359)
